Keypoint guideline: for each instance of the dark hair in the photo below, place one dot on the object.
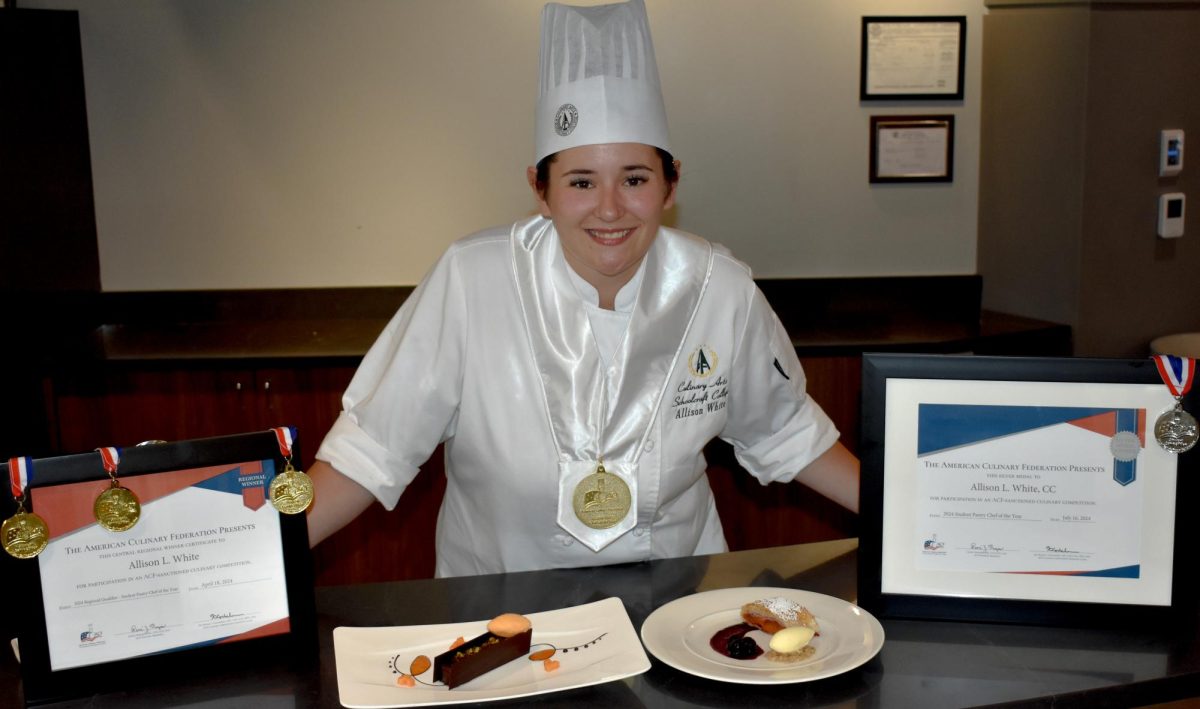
(542, 180)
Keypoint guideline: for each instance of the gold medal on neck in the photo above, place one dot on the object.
(602, 499)
(291, 491)
(117, 508)
(24, 534)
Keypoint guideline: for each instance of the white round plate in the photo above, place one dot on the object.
(678, 634)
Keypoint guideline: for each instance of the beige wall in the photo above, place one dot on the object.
(1075, 95)
(308, 143)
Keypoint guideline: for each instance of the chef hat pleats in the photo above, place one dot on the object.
(598, 80)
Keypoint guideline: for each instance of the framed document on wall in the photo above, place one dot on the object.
(912, 149)
(192, 567)
(912, 58)
(1020, 490)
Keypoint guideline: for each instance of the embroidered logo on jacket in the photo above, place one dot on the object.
(703, 362)
(700, 393)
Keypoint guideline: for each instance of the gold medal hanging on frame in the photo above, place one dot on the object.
(601, 500)
(291, 491)
(25, 534)
(117, 509)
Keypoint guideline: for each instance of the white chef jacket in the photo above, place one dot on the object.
(456, 364)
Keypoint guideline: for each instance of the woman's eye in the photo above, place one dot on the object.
(636, 180)
(581, 183)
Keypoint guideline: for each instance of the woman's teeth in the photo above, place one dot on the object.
(609, 235)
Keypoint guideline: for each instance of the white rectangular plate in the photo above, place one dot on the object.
(594, 643)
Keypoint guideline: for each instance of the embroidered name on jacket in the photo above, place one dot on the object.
(704, 390)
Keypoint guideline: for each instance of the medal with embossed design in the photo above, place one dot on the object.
(1176, 430)
(291, 491)
(117, 509)
(24, 534)
(601, 499)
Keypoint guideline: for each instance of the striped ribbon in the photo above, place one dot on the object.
(111, 458)
(285, 435)
(1177, 373)
(19, 472)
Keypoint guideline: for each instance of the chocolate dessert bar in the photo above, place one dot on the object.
(477, 656)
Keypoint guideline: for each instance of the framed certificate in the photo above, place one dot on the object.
(1019, 490)
(912, 149)
(912, 58)
(209, 571)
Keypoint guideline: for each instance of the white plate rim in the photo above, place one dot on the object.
(611, 612)
(663, 633)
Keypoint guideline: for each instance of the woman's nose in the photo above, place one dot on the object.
(609, 209)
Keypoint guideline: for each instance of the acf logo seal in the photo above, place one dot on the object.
(566, 119)
(703, 362)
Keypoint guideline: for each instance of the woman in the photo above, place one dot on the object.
(576, 363)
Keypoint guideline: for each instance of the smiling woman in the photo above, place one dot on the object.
(607, 204)
(577, 362)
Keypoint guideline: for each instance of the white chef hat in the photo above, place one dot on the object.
(598, 81)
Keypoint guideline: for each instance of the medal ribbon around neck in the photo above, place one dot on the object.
(576, 390)
(117, 509)
(291, 491)
(24, 534)
(1176, 430)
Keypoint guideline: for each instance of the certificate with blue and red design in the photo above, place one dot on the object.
(1027, 490)
(203, 565)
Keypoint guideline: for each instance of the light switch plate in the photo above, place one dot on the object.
(1170, 152)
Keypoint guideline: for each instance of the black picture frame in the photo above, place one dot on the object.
(874, 61)
(297, 646)
(891, 134)
(1070, 610)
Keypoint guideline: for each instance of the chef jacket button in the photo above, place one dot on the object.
(640, 531)
(649, 446)
(612, 371)
(564, 539)
(564, 457)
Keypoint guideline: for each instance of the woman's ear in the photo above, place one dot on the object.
(670, 200)
(538, 194)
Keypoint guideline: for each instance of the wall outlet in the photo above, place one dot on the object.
(1170, 215)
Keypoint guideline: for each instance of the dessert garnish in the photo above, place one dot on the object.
(791, 644)
(790, 625)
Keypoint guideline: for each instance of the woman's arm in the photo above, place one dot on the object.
(337, 501)
(835, 475)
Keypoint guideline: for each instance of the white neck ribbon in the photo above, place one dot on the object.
(596, 414)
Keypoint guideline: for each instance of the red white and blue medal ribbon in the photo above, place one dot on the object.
(1177, 373)
(24, 534)
(291, 491)
(285, 435)
(1176, 430)
(19, 472)
(111, 457)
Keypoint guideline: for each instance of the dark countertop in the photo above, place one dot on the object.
(922, 663)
